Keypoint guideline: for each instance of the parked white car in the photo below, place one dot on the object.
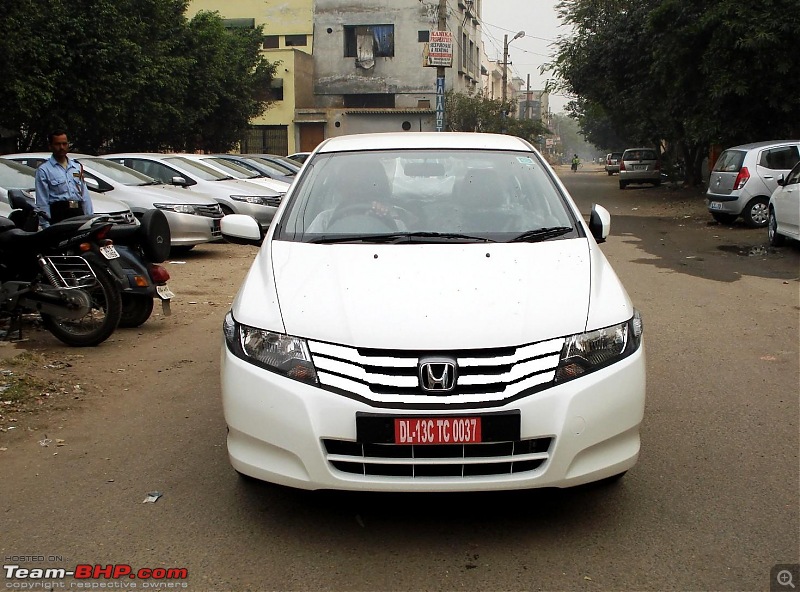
(15, 175)
(237, 171)
(390, 338)
(193, 218)
(784, 208)
(233, 195)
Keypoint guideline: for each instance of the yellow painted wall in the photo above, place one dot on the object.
(279, 17)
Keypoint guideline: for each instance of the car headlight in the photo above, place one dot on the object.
(253, 199)
(179, 208)
(277, 352)
(590, 351)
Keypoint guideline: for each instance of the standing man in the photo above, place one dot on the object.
(61, 191)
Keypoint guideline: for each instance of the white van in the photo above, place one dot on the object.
(430, 312)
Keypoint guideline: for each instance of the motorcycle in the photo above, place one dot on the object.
(140, 247)
(63, 273)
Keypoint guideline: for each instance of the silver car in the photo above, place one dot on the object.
(745, 176)
(639, 165)
(235, 196)
(15, 175)
(193, 219)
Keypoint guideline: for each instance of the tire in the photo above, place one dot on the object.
(657, 183)
(724, 218)
(610, 174)
(622, 184)
(136, 309)
(755, 213)
(99, 323)
(775, 239)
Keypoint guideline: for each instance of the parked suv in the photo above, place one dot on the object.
(745, 176)
(639, 165)
(612, 162)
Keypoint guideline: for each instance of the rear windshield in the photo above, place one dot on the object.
(640, 155)
(729, 161)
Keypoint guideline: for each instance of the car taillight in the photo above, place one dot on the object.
(741, 178)
(658, 165)
(621, 165)
(158, 273)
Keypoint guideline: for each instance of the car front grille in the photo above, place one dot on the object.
(210, 211)
(273, 201)
(438, 460)
(121, 217)
(486, 377)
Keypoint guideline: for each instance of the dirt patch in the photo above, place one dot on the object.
(33, 386)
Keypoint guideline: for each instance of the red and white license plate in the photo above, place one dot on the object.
(437, 430)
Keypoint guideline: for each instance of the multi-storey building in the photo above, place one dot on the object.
(352, 67)
(288, 41)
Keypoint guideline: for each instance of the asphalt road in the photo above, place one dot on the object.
(711, 505)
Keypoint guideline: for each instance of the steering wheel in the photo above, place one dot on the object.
(363, 209)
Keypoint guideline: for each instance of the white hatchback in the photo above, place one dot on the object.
(430, 312)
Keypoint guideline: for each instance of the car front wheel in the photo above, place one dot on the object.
(775, 239)
(756, 213)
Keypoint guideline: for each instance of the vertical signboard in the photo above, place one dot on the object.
(440, 104)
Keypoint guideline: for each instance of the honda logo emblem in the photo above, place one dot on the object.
(437, 375)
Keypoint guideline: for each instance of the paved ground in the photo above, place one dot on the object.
(712, 505)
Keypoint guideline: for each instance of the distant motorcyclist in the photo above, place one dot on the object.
(575, 162)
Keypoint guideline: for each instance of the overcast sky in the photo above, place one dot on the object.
(540, 22)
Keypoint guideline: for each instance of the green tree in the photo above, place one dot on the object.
(473, 112)
(128, 74)
(680, 73)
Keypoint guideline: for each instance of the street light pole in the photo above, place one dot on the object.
(505, 62)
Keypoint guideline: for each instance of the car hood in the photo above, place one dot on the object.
(427, 296)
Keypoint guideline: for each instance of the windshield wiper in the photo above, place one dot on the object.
(153, 182)
(541, 234)
(395, 237)
(228, 178)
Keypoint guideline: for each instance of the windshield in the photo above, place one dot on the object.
(197, 169)
(464, 194)
(231, 168)
(16, 176)
(117, 172)
(275, 168)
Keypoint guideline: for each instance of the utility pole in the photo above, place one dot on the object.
(505, 69)
(440, 71)
(528, 99)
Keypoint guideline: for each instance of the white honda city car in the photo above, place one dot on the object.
(430, 312)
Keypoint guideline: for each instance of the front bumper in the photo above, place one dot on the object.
(276, 428)
(191, 229)
(263, 214)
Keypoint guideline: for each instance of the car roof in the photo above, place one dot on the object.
(411, 140)
(765, 144)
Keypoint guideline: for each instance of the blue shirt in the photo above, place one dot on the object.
(55, 183)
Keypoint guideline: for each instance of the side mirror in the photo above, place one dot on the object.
(241, 230)
(600, 223)
(92, 184)
(781, 180)
(180, 181)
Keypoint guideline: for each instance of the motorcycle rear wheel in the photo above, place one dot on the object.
(136, 309)
(101, 320)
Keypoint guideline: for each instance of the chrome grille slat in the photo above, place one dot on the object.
(209, 211)
(390, 377)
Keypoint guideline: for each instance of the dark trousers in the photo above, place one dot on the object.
(61, 210)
